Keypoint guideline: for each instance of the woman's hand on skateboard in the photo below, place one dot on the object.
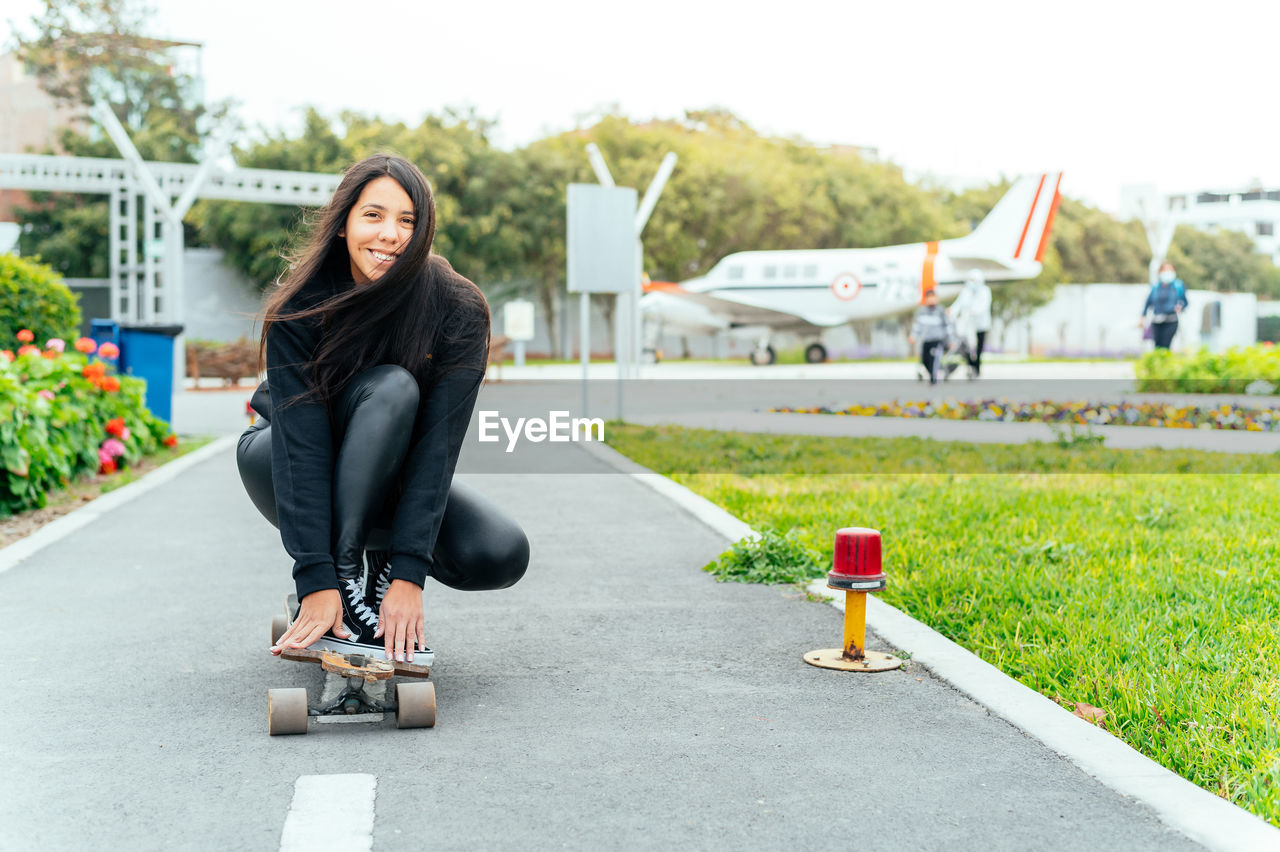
(400, 621)
(320, 611)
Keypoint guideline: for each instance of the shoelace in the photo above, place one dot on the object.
(355, 600)
(379, 568)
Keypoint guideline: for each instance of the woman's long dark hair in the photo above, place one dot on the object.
(419, 313)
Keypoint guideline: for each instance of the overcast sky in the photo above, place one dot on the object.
(1182, 95)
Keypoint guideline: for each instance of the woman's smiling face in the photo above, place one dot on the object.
(378, 228)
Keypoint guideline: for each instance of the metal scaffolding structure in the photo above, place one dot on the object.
(149, 291)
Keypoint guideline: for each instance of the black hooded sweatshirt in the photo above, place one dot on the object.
(303, 452)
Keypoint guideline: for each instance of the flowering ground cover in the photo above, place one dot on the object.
(1150, 597)
(1245, 418)
(64, 412)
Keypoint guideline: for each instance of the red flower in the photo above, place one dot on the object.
(111, 384)
(171, 440)
(51, 353)
(6, 355)
(28, 349)
(109, 351)
(26, 335)
(115, 426)
(94, 372)
(107, 467)
(86, 345)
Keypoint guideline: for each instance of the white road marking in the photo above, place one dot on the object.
(330, 812)
(334, 684)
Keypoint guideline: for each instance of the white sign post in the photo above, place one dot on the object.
(600, 253)
(628, 310)
(517, 325)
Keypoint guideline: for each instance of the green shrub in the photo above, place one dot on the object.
(57, 413)
(33, 296)
(1247, 369)
(774, 557)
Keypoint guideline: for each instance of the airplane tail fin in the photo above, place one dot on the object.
(1016, 231)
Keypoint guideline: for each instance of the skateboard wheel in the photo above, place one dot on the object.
(279, 625)
(287, 711)
(416, 705)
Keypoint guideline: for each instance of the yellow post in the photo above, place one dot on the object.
(855, 625)
(857, 571)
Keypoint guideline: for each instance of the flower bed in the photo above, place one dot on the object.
(1250, 369)
(1224, 416)
(67, 413)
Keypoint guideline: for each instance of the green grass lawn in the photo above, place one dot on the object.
(1153, 596)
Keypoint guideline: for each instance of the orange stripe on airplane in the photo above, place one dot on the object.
(1018, 251)
(661, 287)
(927, 281)
(1048, 224)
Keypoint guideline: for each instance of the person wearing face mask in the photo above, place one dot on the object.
(1167, 299)
(972, 313)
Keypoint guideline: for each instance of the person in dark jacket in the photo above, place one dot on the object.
(1167, 299)
(933, 328)
(375, 350)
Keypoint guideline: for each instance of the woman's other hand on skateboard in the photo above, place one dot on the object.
(400, 621)
(320, 612)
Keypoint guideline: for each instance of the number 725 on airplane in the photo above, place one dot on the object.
(752, 294)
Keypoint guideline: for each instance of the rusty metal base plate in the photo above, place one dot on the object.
(833, 658)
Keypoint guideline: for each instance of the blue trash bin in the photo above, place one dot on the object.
(104, 331)
(146, 352)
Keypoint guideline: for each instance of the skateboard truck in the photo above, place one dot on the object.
(414, 703)
(358, 670)
(857, 571)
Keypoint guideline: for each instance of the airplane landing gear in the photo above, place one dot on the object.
(815, 353)
(763, 356)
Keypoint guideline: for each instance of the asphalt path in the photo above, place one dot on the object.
(617, 697)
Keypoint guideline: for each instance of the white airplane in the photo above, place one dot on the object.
(751, 294)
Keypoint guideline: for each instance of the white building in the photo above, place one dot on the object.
(1254, 211)
(1101, 320)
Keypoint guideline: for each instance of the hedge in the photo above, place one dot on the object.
(1248, 369)
(33, 297)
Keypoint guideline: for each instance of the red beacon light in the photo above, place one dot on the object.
(857, 561)
(856, 570)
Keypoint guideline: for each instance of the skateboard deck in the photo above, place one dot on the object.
(288, 709)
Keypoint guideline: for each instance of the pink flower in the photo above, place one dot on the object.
(45, 394)
(112, 448)
(56, 343)
(125, 436)
(109, 351)
(104, 457)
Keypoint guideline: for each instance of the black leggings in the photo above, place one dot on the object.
(1163, 332)
(479, 546)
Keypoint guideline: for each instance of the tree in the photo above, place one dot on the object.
(73, 45)
(1223, 261)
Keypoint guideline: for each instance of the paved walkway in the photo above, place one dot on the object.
(618, 697)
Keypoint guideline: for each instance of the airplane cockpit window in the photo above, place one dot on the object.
(770, 272)
(811, 270)
(735, 273)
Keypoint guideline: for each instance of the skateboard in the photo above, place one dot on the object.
(288, 710)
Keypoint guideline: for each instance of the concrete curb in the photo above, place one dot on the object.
(99, 506)
(1195, 812)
